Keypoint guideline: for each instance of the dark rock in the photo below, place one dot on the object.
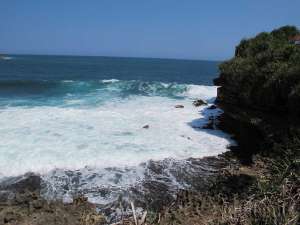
(11, 217)
(30, 182)
(158, 189)
(36, 210)
(212, 107)
(179, 106)
(38, 204)
(4, 196)
(21, 203)
(199, 102)
(187, 137)
(146, 126)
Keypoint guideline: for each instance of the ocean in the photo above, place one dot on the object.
(78, 122)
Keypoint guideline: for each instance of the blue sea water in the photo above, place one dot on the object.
(60, 114)
(41, 80)
(55, 68)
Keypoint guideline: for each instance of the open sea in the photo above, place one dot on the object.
(78, 121)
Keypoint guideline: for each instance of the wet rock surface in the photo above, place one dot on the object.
(199, 102)
(21, 200)
(29, 182)
(21, 204)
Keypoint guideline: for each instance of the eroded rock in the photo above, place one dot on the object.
(22, 206)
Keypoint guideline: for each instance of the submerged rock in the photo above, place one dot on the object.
(199, 102)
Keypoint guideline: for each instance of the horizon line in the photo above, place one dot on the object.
(113, 56)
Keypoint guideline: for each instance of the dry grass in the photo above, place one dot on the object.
(267, 193)
(280, 208)
(273, 199)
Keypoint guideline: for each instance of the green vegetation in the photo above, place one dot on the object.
(265, 72)
(260, 95)
(262, 82)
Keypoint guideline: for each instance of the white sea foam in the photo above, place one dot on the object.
(7, 58)
(47, 139)
(201, 91)
(109, 81)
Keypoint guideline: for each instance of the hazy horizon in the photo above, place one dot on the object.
(108, 56)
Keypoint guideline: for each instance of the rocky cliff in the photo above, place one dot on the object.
(260, 92)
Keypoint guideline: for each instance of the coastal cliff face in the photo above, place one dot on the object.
(260, 95)
(260, 92)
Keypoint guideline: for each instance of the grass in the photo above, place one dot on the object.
(270, 195)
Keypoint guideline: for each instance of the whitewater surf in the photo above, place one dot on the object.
(106, 136)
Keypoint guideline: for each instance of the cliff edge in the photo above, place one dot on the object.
(260, 92)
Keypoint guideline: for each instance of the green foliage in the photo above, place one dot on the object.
(265, 72)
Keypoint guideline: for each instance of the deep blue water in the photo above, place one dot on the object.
(27, 67)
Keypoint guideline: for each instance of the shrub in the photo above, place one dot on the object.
(265, 72)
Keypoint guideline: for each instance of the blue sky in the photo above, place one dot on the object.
(195, 29)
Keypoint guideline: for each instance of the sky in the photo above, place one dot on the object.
(189, 29)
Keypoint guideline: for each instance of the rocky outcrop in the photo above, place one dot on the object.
(27, 182)
(21, 203)
(260, 92)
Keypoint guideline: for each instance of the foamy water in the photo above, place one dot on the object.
(99, 134)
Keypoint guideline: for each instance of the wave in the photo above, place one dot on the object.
(110, 81)
(6, 58)
(45, 92)
(103, 148)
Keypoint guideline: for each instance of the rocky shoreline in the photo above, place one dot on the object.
(21, 203)
(31, 199)
(21, 197)
(259, 94)
(257, 182)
